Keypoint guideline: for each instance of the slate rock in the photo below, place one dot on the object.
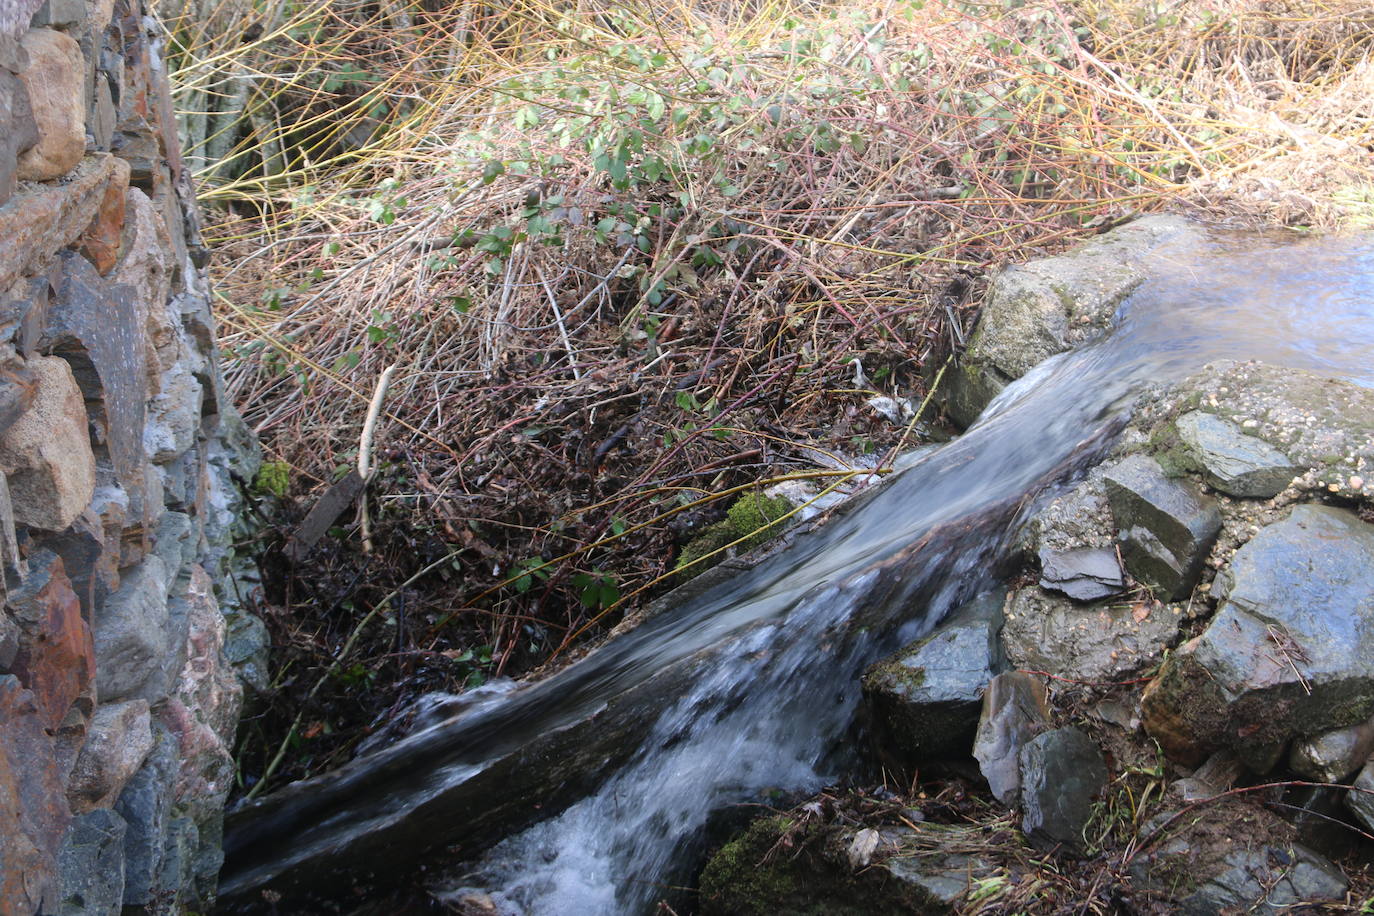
(1289, 653)
(145, 805)
(54, 79)
(173, 415)
(56, 658)
(145, 266)
(1167, 526)
(60, 14)
(46, 455)
(131, 633)
(99, 327)
(1234, 859)
(1360, 798)
(1062, 774)
(20, 132)
(1043, 632)
(1084, 574)
(41, 219)
(9, 641)
(1233, 462)
(1333, 756)
(34, 815)
(925, 699)
(91, 867)
(119, 739)
(1015, 709)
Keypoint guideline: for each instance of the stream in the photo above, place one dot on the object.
(595, 785)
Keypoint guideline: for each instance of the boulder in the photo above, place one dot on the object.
(34, 815)
(1062, 774)
(1102, 642)
(1232, 462)
(119, 739)
(46, 455)
(1360, 798)
(925, 700)
(1232, 858)
(1015, 709)
(91, 867)
(1048, 306)
(54, 79)
(1333, 756)
(1167, 527)
(1084, 574)
(1289, 653)
(131, 637)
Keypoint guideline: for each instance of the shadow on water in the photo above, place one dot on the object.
(749, 683)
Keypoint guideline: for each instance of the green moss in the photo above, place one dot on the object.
(739, 880)
(758, 517)
(711, 539)
(274, 478)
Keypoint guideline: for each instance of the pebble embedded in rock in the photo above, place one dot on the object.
(1235, 463)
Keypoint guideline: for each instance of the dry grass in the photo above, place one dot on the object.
(630, 258)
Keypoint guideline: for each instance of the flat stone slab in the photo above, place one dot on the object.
(1289, 653)
(1085, 574)
(1233, 462)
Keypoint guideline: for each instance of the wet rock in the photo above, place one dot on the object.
(1167, 527)
(926, 699)
(1233, 462)
(1289, 653)
(1234, 859)
(131, 635)
(1074, 520)
(54, 81)
(1043, 632)
(1062, 774)
(46, 455)
(1084, 574)
(56, 658)
(1360, 798)
(91, 867)
(1036, 310)
(34, 815)
(119, 739)
(1015, 709)
(1333, 756)
(41, 219)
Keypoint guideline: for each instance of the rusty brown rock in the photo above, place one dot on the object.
(56, 658)
(55, 80)
(47, 454)
(34, 815)
(101, 240)
(41, 219)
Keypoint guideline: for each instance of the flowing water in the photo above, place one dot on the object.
(769, 661)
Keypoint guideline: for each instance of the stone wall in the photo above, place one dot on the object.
(118, 699)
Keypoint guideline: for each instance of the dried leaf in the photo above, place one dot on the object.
(861, 850)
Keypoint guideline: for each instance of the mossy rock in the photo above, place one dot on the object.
(755, 517)
(780, 866)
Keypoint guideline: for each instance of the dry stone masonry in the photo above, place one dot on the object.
(118, 699)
